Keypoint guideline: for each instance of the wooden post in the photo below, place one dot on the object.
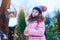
(4, 16)
(3, 19)
(5, 4)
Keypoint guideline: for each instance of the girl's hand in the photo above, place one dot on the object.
(26, 32)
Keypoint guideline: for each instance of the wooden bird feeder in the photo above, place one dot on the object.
(11, 14)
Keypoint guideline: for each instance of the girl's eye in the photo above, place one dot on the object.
(36, 12)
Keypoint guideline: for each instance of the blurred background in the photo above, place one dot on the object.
(24, 8)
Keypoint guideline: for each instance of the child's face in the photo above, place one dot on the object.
(35, 13)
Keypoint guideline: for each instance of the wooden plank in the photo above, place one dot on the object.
(5, 4)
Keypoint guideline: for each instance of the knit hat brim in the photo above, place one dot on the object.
(38, 9)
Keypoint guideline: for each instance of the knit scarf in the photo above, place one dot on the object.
(34, 18)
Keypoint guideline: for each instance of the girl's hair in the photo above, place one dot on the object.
(40, 18)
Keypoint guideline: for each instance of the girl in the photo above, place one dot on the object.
(36, 26)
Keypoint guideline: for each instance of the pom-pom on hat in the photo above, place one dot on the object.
(44, 8)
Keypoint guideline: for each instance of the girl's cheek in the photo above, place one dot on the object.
(35, 14)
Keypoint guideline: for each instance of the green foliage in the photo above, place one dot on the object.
(58, 21)
(57, 14)
(21, 22)
(47, 21)
(51, 30)
(51, 33)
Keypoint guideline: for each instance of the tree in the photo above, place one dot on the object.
(51, 33)
(47, 21)
(51, 29)
(58, 22)
(21, 25)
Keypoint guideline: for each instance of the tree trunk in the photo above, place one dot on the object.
(22, 36)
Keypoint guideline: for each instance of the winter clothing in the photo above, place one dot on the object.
(38, 9)
(35, 31)
(34, 18)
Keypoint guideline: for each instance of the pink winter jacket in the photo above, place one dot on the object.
(35, 32)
